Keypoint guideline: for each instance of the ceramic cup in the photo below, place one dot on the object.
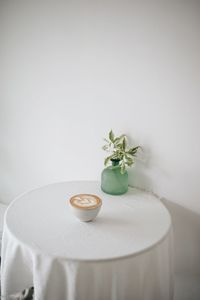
(85, 206)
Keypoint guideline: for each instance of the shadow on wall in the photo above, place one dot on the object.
(138, 175)
(186, 223)
(186, 226)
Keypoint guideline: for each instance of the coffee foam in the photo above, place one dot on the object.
(85, 201)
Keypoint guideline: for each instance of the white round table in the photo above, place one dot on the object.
(125, 253)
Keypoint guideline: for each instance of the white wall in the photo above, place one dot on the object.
(71, 70)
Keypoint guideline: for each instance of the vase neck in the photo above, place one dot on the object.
(115, 162)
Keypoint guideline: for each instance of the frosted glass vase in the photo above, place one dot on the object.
(113, 181)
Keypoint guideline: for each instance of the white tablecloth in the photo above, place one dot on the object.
(124, 254)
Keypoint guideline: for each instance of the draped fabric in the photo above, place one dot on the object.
(126, 256)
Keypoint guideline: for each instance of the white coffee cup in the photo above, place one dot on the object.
(85, 206)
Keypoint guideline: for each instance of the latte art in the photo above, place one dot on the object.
(85, 201)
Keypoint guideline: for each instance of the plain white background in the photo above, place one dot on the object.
(72, 70)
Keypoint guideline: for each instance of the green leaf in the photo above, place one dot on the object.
(124, 143)
(116, 156)
(118, 140)
(129, 161)
(120, 147)
(123, 168)
(133, 150)
(111, 136)
(106, 160)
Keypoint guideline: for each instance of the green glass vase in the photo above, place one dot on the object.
(113, 181)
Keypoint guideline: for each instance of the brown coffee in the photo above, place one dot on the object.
(85, 201)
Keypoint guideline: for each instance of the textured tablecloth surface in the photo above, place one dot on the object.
(118, 256)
